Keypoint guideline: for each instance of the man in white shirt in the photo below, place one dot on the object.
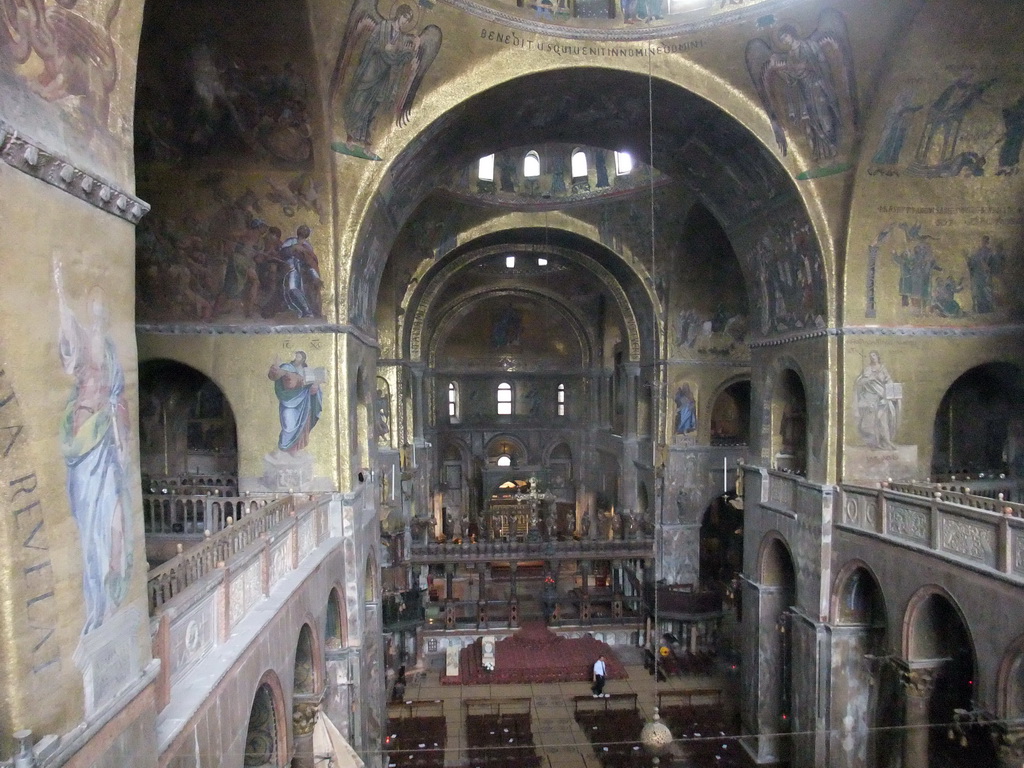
(599, 672)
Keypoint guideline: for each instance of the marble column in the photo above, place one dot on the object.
(918, 684)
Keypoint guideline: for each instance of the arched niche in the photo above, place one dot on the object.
(186, 425)
(266, 732)
(789, 423)
(979, 425)
(866, 692)
(730, 415)
(939, 648)
(506, 447)
(336, 629)
(307, 674)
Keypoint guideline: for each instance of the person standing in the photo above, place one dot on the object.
(599, 674)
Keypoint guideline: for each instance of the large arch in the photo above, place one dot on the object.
(706, 134)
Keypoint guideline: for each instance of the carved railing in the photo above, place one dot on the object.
(197, 514)
(199, 597)
(211, 484)
(174, 576)
(486, 551)
(982, 532)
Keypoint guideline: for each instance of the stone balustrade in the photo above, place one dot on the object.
(985, 533)
(487, 551)
(197, 598)
(177, 513)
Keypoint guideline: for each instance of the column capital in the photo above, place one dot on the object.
(917, 679)
(1009, 742)
(304, 714)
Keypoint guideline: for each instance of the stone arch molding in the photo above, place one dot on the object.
(414, 331)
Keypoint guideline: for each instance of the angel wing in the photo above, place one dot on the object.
(428, 43)
(765, 67)
(834, 41)
(363, 20)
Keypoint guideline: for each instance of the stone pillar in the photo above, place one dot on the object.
(918, 684)
(632, 374)
(417, 403)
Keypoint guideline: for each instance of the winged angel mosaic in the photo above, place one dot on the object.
(807, 83)
(77, 62)
(380, 67)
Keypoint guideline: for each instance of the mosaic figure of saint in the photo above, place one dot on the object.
(877, 401)
(95, 433)
(300, 400)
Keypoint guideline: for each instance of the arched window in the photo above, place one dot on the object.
(504, 460)
(579, 164)
(623, 163)
(560, 400)
(531, 165)
(485, 170)
(504, 399)
(453, 402)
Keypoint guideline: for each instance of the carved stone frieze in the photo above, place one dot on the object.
(973, 541)
(860, 512)
(1018, 553)
(908, 523)
(31, 157)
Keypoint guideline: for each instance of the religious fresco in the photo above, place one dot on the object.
(718, 334)
(522, 328)
(877, 402)
(96, 440)
(935, 273)
(237, 257)
(806, 83)
(298, 388)
(685, 403)
(964, 124)
(379, 70)
(877, 407)
(61, 69)
(76, 60)
(217, 105)
(784, 266)
(245, 95)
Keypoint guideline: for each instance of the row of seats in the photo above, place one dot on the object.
(502, 741)
(416, 742)
(615, 736)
